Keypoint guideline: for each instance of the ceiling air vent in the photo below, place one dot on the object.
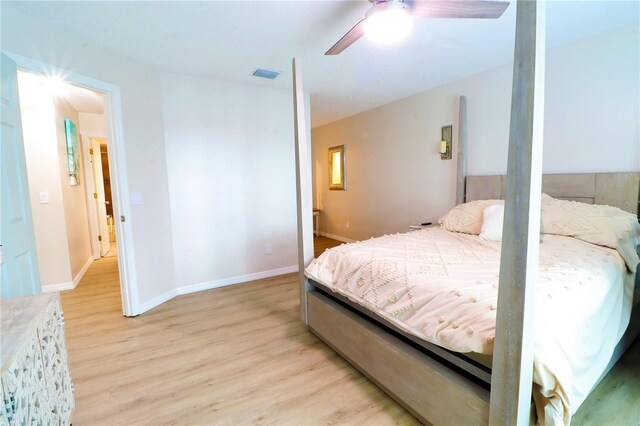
(259, 72)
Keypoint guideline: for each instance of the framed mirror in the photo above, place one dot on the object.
(337, 162)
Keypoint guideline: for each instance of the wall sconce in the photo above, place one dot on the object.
(445, 142)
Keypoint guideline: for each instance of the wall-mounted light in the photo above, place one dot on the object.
(445, 142)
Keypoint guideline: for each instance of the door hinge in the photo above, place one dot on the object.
(95, 195)
(90, 151)
(99, 237)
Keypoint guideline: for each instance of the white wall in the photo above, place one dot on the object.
(143, 134)
(592, 108)
(395, 176)
(92, 123)
(44, 174)
(230, 159)
(74, 196)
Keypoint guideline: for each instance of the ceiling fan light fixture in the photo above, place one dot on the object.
(387, 22)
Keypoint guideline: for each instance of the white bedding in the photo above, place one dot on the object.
(442, 287)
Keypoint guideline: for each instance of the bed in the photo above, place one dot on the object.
(433, 293)
(437, 385)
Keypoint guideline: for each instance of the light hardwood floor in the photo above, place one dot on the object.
(320, 244)
(239, 355)
(235, 355)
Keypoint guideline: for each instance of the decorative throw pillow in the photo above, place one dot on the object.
(601, 225)
(492, 218)
(467, 217)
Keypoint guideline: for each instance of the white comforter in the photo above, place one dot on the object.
(442, 287)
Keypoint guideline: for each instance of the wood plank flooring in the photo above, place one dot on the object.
(320, 244)
(239, 355)
(235, 355)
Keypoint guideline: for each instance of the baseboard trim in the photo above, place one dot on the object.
(78, 277)
(337, 237)
(156, 301)
(186, 289)
(51, 288)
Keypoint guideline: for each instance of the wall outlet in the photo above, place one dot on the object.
(348, 225)
(268, 248)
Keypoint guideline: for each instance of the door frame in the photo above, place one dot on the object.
(94, 230)
(117, 170)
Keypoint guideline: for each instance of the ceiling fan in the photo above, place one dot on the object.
(390, 20)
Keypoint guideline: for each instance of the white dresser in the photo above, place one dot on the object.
(36, 384)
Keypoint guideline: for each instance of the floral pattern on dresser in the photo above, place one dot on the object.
(36, 382)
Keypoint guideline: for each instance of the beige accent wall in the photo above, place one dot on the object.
(92, 123)
(394, 173)
(43, 171)
(75, 200)
(60, 225)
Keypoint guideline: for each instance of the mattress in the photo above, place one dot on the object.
(441, 286)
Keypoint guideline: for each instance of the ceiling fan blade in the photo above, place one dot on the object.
(457, 8)
(348, 39)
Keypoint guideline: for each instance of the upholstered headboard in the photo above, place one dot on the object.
(620, 190)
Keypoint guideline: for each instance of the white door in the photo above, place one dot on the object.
(18, 259)
(101, 207)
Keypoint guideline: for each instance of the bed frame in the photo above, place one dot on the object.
(435, 390)
(441, 381)
(613, 189)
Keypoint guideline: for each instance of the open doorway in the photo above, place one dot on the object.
(100, 198)
(105, 200)
(72, 194)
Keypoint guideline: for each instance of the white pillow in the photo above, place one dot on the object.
(492, 218)
(467, 217)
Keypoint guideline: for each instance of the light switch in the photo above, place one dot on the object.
(136, 198)
(44, 198)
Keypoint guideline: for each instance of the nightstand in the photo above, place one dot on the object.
(420, 226)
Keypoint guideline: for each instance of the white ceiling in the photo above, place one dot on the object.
(227, 40)
(84, 100)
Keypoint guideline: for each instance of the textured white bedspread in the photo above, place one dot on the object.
(442, 287)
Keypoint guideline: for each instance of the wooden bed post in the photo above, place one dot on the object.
(303, 187)
(512, 373)
(462, 150)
